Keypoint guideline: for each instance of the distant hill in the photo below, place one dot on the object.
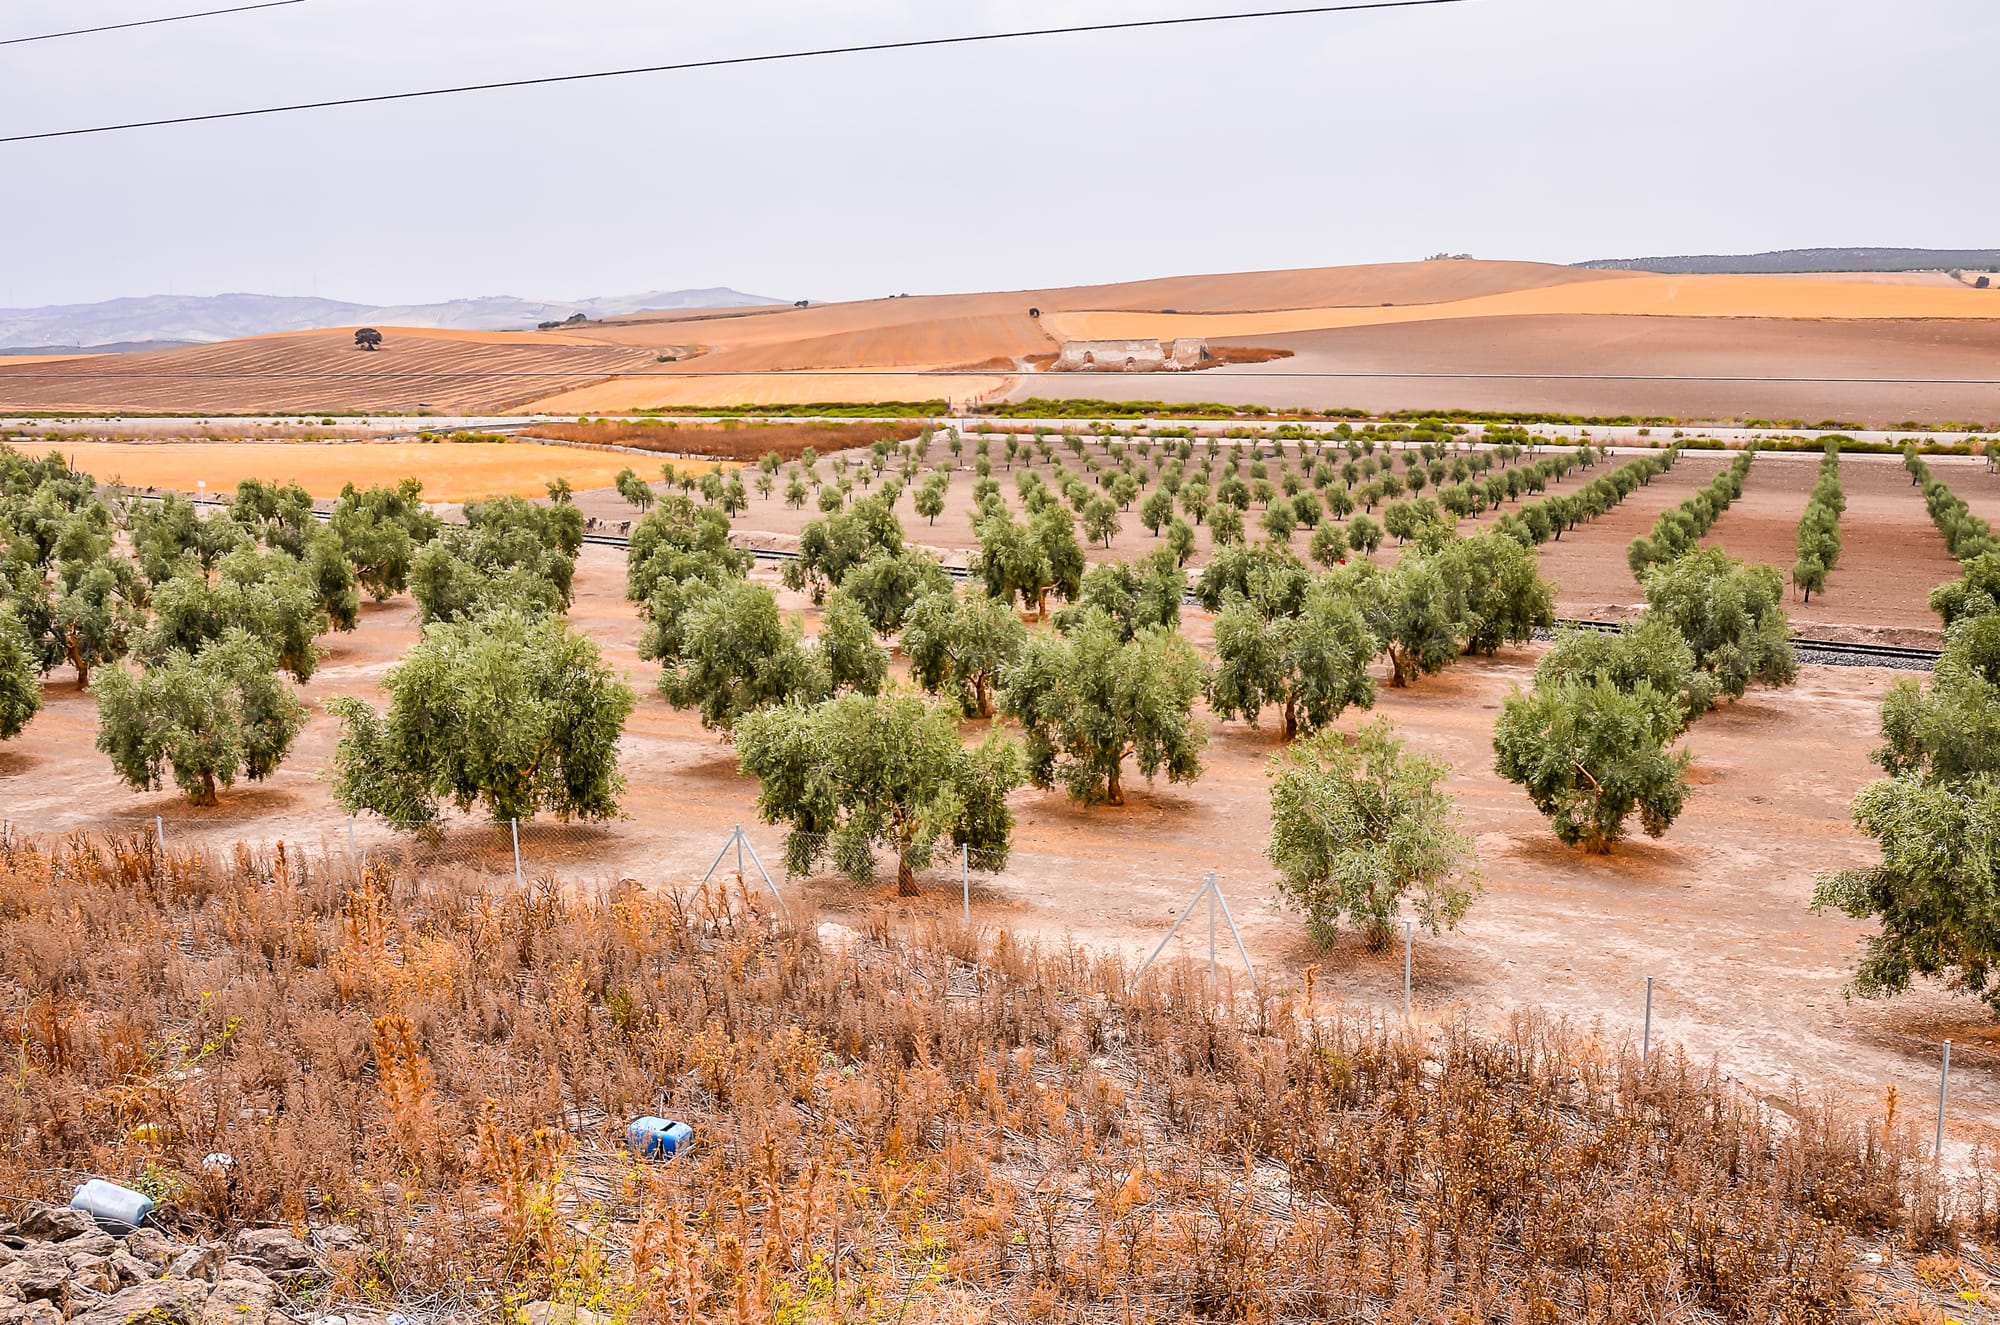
(1811, 259)
(202, 319)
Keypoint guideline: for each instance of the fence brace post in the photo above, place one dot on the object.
(1646, 1036)
(1944, 1088)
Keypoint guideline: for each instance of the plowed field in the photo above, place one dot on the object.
(320, 371)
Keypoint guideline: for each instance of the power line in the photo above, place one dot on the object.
(919, 43)
(147, 22)
(10, 375)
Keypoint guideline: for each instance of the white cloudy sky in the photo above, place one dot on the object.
(1549, 129)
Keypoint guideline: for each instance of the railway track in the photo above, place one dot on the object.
(1832, 653)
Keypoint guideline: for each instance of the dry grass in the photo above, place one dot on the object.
(945, 1126)
(741, 442)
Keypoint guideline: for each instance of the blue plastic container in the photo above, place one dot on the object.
(658, 1138)
(120, 1208)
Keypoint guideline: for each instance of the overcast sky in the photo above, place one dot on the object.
(1558, 130)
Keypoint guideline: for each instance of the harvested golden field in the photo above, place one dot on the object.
(449, 471)
(316, 371)
(1639, 295)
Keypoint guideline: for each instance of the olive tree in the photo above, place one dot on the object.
(634, 489)
(1730, 614)
(1500, 593)
(1936, 891)
(886, 586)
(862, 772)
(95, 616)
(1029, 561)
(1135, 595)
(834, 545)
(1089, 699)
(509, 553)
(209, 718)
(509, 710)
(379, 530)
(1313, 665)
(959, 646)
(1591, 754)
(265, 594)
(1357, 825)
(20, 679)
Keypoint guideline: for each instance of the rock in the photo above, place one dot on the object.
(37, 1275)
(272, 1249)
(29, 1313)
(94, 1276)
(161, 1302)
(236, 1301)
(151, 1247)
(197, 1263)
(94, 1245)
(51, 1223)
(130, 1269)
(340, 1240)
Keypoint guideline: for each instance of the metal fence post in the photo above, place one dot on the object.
(1944, 1089)
(515, 825)
(160, 831)
(1211, 926)
(965, 879)
(1409, 932)
(739, 853)
(1646, 1036)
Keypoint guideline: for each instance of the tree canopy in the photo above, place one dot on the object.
(1730, 614)
(210, 718)
(864, 772)
(1357, 825)
(1089, 699)
(960, 645)
(508, 710)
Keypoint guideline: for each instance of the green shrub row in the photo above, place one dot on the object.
(1677, 531)
(1819, 528)
(1965, 534)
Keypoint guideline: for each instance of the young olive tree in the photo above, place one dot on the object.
(864, 772)
(210, 718)
(1730, 614)
(1313, 665)
(1089, 699)
(959, 646)
(1590, 755)
(508, 710)
(20, 677)
(1358, 824)
(379, 530)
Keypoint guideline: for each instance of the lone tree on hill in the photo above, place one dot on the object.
(864, 771)
(367, 338)
(210, 718)
(509, 710)
(1356, 825)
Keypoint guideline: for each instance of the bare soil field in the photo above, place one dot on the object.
(747, 441)
(449, 471)
(317, 371)
(707, 389)
(1891, 557)
(1715, 911)
(1534, 364)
